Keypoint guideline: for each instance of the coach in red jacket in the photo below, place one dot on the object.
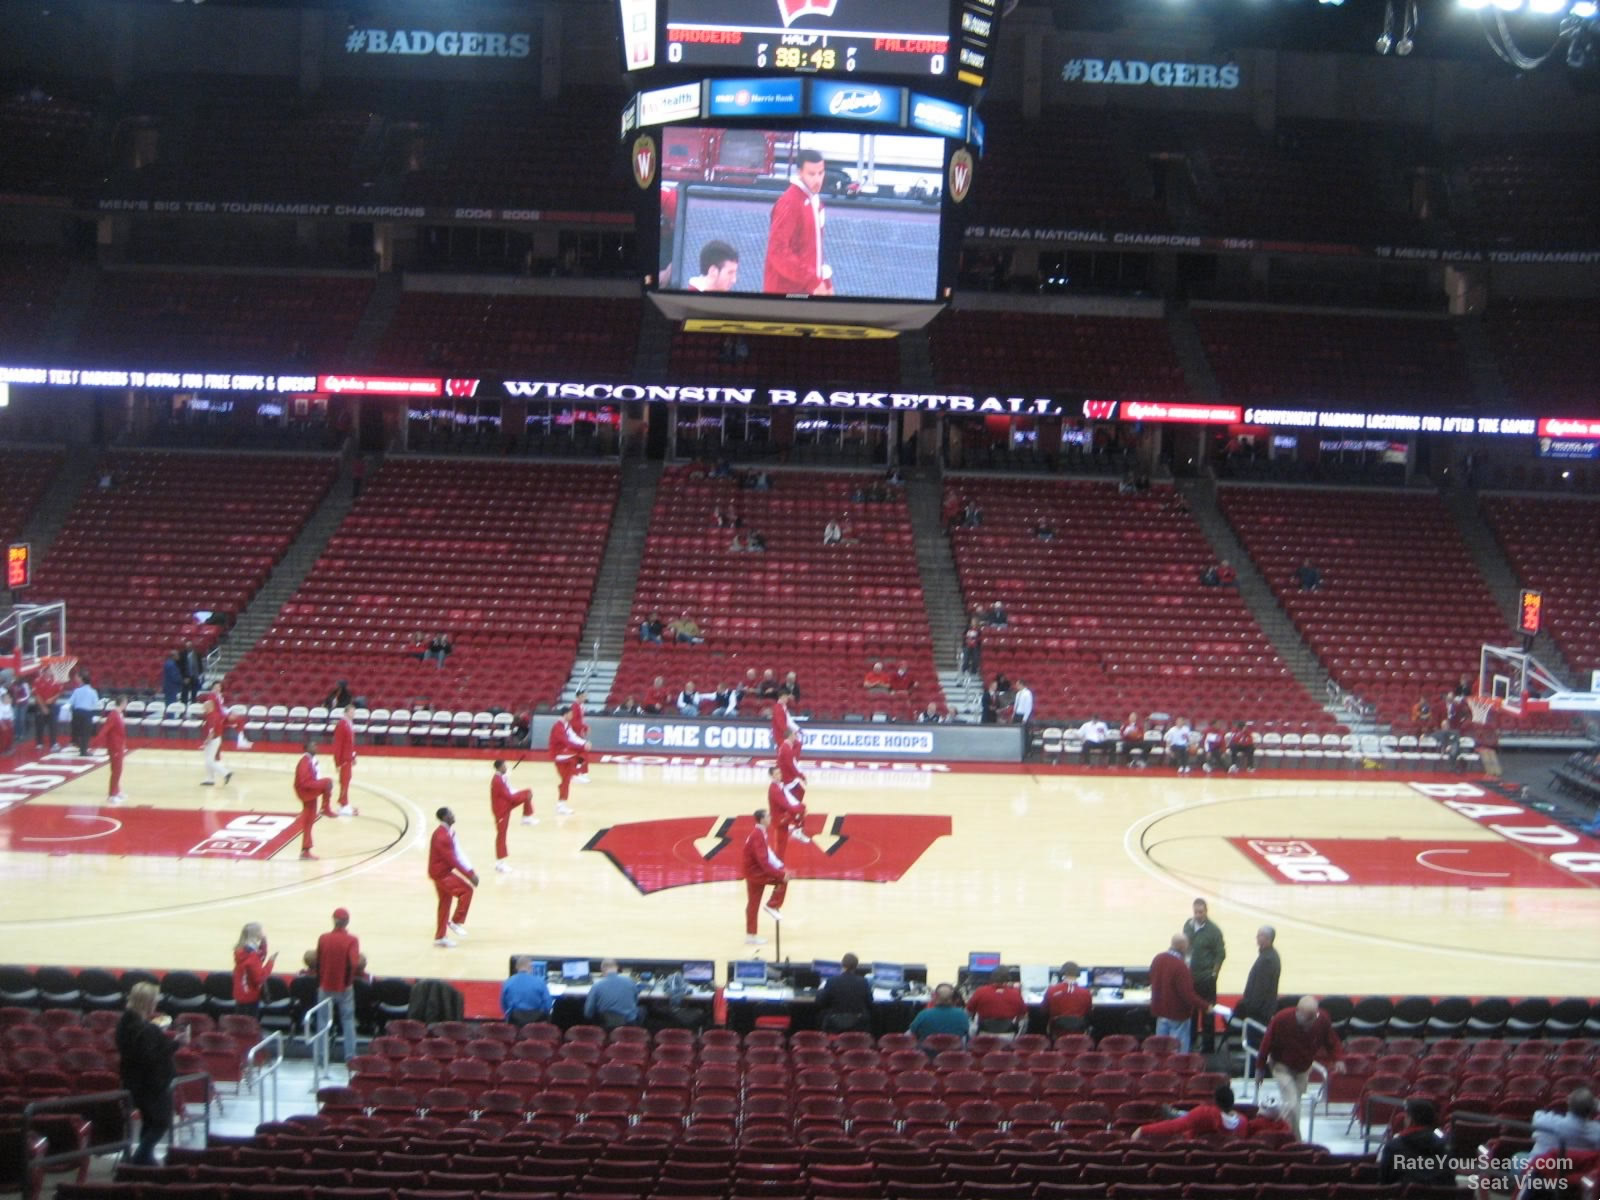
(344, 758)
(451, 874)
(503, 802)
(114, 736)
(1173, 1000)
(762, 868)
(310, 787)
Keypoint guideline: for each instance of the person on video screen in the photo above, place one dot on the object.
(719, 268)
(794, 238)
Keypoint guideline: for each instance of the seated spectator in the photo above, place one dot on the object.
(1097, 739)
(997, 615)
(877, 679)
(1130, 737)
(943, 1015)
(760, 481)
(901, 680)
(1308, 577)
(628, 708)
(685, 629)
(1226, 575)
(1211, 747)
(1126, 486)
(737, 545)
(1241, 748)
(656, 696)
(770, 689)
(1067, 1004)
(688, 700)
(725, 702)
(971, 514)
(651, 629)
(719, 517)
(1218, 1119)
(416, 646)
(1575, 1129)
(1044, 531)
(791, 688)
(998, 1006)
(1211, 577)
(1417, 1153)
(757, 542)
(1463, 687)
(340, 697)
(989, 705)
(895, 477)
(440, 648)
(930, 715)
(1422, 716)
(832, 534)
(845, 1001)
(1178, 740)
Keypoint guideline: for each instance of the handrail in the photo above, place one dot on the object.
(318, 1040)
(205, 1109)
(272, 1042)
(72, 1104)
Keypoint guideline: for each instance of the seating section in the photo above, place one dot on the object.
(1320, 360)
(500, 555)
(1039, 352)
(177, 535)
(1554, 545)
(1531, 190)
(1539, 348)
(25, 476)
(30, 283)
(576, 337)
(786, 361)
(784, 609)
(1109, 616)
(47, 141)
(1402, 611)
(227, 322)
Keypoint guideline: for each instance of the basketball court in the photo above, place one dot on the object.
(1375, 882)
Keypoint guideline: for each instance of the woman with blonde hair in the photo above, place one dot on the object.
(147, 1067)
(251, 967)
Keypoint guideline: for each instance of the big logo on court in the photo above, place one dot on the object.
(681, 851)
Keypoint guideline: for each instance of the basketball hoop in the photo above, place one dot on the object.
(1482, 706)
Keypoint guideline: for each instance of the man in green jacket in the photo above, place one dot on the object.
(1206, 952)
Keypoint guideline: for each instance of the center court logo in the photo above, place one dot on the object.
(684, 851)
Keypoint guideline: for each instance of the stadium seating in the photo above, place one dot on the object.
(1109, 616)
(575, 337)
(30, 283)
(1402, 611)
(46, 140)
(781, 610)
(1403, 365)
(502, 556)
(1529, 189)
(175, 536)
(1554, 546)
(24, 477)
(1031, 352)
(1538, 347)
(186, 321)
(786, 361)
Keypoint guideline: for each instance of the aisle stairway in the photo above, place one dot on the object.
(941, 591)
(50, 514)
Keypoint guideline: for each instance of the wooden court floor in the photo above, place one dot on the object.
(1373, 885)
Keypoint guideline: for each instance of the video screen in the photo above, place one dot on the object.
(825, 969)
(575, 969)
(700, 971)
(1108, 977)
(983, 961)
(877, 37)
(800, 213)
(750, 971)
(888, 974)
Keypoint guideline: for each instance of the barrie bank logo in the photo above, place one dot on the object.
(445, 44)
(685, 851)
(855, 102)
(792, 10)
(1138, 73)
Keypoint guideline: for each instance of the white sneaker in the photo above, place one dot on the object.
(563, 810)
(445, 943)
(582, 778)
(119, 798)
(753, 939)
(530, 820)
(772, 912)
(503, 867)
(799, 835)
(349, 810)
(459, 930)
(244, 743)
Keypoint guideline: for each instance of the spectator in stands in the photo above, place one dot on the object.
(656, 696)
(1212, 745)
(1218, 1119)
(877, 679)
(972, 648)
(688, 701)
(719, 268)
(525, 997)
(613, 998)
(1130, 737)
(1575, 1129)
(1226, 575)
(832, 533)
(686, 629)
(1308, 577)
(931, 715)
(1210, 577)
(1260, 999)
(1241, 744)
(791, 688)
(989, 705)
(340, 697)
(1066, 1003)
(1422, 716)
(971, 515)
(1173, 1001)
(770, 688)
(845, 1001)
(192, 667)
(171, 679)
(251, 966)
(757, 543)
(628, 708)
(1096, 735)
(725, 701)
(651, 629)
(1207, 950)
(417, 646)
(997, 615)
(1296, 1038)
(1417, 1153)
(738, 545)
(339, 961)
(1177, 741)
(945, 1015)
(1044, 531)
(998, 1006)
(1463, 687)
(440, 648)
(147, 1067)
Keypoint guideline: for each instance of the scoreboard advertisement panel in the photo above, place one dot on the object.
(873, 37)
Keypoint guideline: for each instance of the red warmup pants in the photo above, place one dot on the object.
(502, 817)
(344, 783)
(116, 775)
(451, 885)
(308, 808)
(781, 831)
(566, 768)
(752, 905)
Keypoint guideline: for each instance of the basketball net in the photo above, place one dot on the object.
(1481, 707)
(59, 669)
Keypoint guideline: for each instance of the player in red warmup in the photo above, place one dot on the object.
(114, 735)
(213, 724)
(451, 874)
(566, 749)
(782, 726)
(788, 813)
(794, 778)
(311, 787)
(581, 728)
(503, 801)
(762, 868)
(344, 758)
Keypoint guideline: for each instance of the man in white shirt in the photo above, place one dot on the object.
(1177, 742)
(85, 702)
(1096, 736)
(1022, 706)
(719, 268)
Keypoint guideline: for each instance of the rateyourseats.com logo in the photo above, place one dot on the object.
(447, 44)
(1138, 73)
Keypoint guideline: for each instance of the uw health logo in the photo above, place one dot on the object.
(683, 851)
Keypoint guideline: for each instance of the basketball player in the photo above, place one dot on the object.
(114, 735)
(213, 723)
(566, 750)
(782, 726)
(794, 779)
(788, 813)
(761, 868)
(794, 234)
(503, 802)
(719, 268)
(344, 758)
(581, 728)
(310, 787)
(451, 874)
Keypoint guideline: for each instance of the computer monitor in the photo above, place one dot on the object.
(700, 971)
(888, 974)
(752, 971)
(1107, 977)
(982, 962)
(575, 969)
(825, 969)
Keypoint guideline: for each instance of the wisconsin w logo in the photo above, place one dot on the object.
(644, 160)
(790, 10)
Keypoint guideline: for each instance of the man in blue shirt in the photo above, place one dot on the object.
(524, 998)
(85, 703)
(613, 999)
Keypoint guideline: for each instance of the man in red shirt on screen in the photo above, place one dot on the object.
(503, 801)
(311, 787)
(453, 879)
(794, 236)
(344, 758)
(762, 868)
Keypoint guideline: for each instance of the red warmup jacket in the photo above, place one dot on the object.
(564, 741)
(793, 241)
(789, 763)
(780, 723)
(442, 860)
(1207, 1120)
(344, 742)
(114, 732)
(213, 724)
(500, 793)
(781, 805)
(579, 725)
(249, 973)
(758, 858)
(306, 779)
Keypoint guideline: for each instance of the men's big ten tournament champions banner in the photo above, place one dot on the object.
(670, 736)
(436, 41)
